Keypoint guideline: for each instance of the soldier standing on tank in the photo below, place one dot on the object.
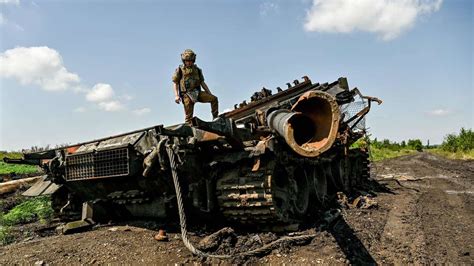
(187, 83)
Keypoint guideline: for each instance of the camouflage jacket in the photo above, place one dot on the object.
(188, 78)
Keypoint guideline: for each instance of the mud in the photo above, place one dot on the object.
(424, 214)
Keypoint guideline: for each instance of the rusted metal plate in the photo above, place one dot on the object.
(42, 187)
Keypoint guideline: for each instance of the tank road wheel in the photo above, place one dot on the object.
(300, 187)
(320, 185)
(326, 170)
(357, 169)
(290, 190)
(341, 170)
(337, 171)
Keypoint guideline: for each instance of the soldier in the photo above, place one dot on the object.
(188, 80)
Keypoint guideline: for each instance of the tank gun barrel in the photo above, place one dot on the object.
(32, 158)
(311, 126)
(21, 161)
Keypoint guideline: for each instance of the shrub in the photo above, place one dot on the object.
(415, 144)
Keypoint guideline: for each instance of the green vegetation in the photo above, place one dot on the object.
(386, 149)
(459, 155)
(454, 146)
(457, 146)
(20, 169)
(5, 236)
(463, 142)
(378, 154)
(29, 210)
(14, 155)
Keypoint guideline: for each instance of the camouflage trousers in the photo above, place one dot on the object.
(203, 97)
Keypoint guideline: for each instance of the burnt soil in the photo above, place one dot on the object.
(425, 214)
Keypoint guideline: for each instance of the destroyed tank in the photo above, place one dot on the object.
(274, 161)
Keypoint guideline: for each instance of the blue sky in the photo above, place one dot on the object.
(72, 71)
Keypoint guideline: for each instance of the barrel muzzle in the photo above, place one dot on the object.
(310, 127)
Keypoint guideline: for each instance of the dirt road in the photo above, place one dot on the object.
(425, 214)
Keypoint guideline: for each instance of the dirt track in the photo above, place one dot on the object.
(425, 214)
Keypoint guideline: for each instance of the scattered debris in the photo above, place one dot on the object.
(362, 202)
(12, 186)
(212, 242)
(342, 200)
(121, 228)
(75, 227)
(399, 177)
(452, 192)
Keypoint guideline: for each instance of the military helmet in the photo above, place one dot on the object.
(188, 54)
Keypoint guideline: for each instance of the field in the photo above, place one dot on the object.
(459, 155)
(378, 154)
(423, 201)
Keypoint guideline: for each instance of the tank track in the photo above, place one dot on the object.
(246, 197)
(260, 197)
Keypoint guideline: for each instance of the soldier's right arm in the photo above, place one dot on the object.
(177, 99)
(176, 78)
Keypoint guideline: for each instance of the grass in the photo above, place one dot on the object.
(5, 235)
(459, 155)
(29, 210)
(378, 154)
(19, 169)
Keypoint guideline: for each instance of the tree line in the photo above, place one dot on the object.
(464, 141)
(414, 144)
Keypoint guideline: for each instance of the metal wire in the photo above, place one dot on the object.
(351, 109)
(182, 219)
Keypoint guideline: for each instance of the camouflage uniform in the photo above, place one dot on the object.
(189, 80)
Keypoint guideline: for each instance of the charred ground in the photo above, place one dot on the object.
(424, 215)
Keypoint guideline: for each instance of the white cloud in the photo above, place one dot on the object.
(41, 66)
(103, 95)
(440, 112)
(111, 106)
(142, 111)
(388, 18)
(268, 7)
(3, 20)
(15, 2)
(100, 92)
(44, 67)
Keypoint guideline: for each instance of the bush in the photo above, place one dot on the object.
(462, 142)
(415, 144)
